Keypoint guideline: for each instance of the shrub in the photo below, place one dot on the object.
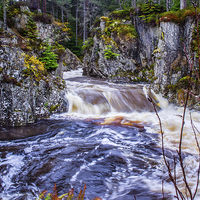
(34, 66)
(121, 29)
(120, 14)
(49, 59)
(87, 44)
(109, 54)
(150, 11)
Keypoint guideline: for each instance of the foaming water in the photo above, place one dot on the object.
(109, 139)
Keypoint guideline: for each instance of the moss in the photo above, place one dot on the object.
(119, 28)
(120, 14)
(178, 16)
(105, 18)
(1, 70)
(54, 107)
(18, 84)
(108, 40)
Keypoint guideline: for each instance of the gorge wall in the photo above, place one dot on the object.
(155, 55)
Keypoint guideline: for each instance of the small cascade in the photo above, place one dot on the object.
(89, 99)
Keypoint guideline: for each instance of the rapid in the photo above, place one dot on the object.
(109, 139)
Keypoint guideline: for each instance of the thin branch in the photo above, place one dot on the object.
(163, 152)
(198, 172)
(175, 175)
(182, 126)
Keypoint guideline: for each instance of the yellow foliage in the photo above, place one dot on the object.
(105, 18)
(34, 65)
(108, 40)
(62, 26)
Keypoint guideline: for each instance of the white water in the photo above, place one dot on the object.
(113, 106)
(101, 142)
(169, 114)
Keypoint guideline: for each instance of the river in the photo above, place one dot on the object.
(108, 139)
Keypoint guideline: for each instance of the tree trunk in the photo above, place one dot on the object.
(53, 11)
(5, 15)
(84, 21)
(183, 4)
(120, 6)
(38, 4)
(66, 12)
(167, 5)
(44, 6)
(76, 21)
(57, 11)
(133, 3)
(62, 15)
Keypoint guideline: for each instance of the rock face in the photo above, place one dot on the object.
(157, 55)
(95, 63)
(70, 61)
(24, 95)
(24, 99)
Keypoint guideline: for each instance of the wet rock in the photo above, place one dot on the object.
(23, 98)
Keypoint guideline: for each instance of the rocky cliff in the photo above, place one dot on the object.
(27, 90)
(155, 55)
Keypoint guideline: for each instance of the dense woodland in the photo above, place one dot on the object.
(81, 15)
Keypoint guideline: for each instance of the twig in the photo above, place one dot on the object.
(163, 152)
(163, 189)
(175, 175)
(198, 172)
(182, 126)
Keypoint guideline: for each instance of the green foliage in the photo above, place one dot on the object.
(178, 16)
(23, 32)
(150, 12)
(120, 28)
(32, 34)
(71, 43)
(176, 6)
(54, 107)
(49, 58)
(109, 54)
(87, 44)
(59, 49)
(120, 14)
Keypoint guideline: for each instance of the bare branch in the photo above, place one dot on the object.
(194, 130)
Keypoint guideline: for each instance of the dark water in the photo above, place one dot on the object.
(115, 162)
(108, 140)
